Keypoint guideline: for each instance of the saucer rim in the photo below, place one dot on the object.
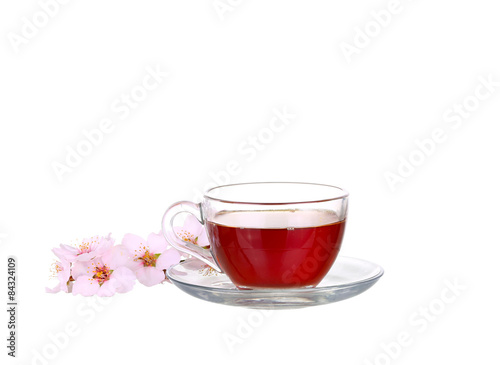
(380, 272)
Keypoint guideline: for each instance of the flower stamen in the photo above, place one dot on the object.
(55, 269)
(101, 274)
(187, 236)
(148, 259)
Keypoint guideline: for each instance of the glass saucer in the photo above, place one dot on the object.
(347, 277)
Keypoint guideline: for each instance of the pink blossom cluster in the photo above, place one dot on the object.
(96, 266)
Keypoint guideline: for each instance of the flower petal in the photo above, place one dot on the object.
(85, 286)
(167, 259)
(54, 290)
(86, 256)
(125, 279)
(157, 243)
(117, 256)
(93, 242)
(65, 252)
(133, 243)
(63, 277)
(80, 268)
(105, 243)
(85, 268)
(150, 276)
(97, 245)
(192, 225)
(108, 288)
(202, 240)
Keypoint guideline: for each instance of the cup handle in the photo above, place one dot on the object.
(181, 245)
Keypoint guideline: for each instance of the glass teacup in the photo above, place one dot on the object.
(267, 235)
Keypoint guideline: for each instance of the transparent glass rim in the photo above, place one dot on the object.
(341, 193)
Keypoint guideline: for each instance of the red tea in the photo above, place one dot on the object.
(276, 249)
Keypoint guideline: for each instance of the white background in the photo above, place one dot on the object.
(353, 122)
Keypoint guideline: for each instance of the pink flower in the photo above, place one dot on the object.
(193, 231)
(150, 257)
(88, 249)
(104, 276)
(61, 271)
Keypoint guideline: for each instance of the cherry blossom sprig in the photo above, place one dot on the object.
(96, 266)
